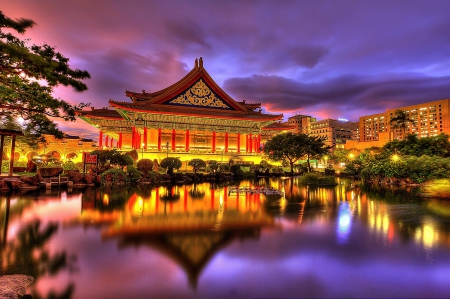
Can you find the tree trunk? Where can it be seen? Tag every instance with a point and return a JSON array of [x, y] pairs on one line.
[[309, 164]]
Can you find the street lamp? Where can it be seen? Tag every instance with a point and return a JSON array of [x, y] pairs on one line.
[[325, 158], [142, 150], [167, 146], [222, 148]]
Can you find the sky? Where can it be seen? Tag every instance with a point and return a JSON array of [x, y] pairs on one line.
[[327, 59]]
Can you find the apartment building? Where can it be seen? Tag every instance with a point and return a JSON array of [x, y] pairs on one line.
[[337, 132], [429, 119], [302, 123]]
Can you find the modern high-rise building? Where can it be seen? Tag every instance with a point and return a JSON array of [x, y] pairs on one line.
[[429, 119], [337, 132], [302, 123]]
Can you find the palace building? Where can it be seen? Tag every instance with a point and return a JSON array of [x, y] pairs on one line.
[[192, 118]]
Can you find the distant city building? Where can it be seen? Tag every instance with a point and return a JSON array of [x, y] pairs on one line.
[[429, 119], [302, 123], [337, 132]]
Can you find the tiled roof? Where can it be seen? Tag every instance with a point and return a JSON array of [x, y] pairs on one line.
[[102, 113], [156, 102]]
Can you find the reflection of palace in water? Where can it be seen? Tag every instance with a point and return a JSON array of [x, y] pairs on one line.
[[192, 223], [188, 223]]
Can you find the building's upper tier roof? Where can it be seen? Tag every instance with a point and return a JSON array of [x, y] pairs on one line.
[[196, 94]]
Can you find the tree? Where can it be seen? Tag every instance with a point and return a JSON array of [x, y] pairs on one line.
[[315, 147], [113, 158], [170, 163], [28, 75], [197, 164], [401, 121], [145, 165], [286, 147], [292, 147]]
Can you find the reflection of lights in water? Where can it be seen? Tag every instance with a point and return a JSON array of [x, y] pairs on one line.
[[219, 214], [105, 199], [138, 207], [344, 222], [283, 204], [427, 235]]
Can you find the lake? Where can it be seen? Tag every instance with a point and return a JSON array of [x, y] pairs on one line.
[[206, 241]]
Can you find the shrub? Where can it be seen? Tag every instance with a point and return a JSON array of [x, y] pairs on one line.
[[248, 174], [224, 168], [317, 179], [197, 164], [69, 165], [213, 167], [234, 169], [133, 175], [115, 176], [145, 165]]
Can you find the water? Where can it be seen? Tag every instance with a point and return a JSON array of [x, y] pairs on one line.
[[199, 241]]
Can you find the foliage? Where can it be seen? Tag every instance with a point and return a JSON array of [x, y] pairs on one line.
[[69, 165], [248, 174], [133, 154], [80, 166], [224, 168], [414, 146], [213, 166], [27, 79], [197, 164], [401, 121], [117, 176], [133, 175], [28, 139], [145, 165], [409, 169], [5, 165], [236, 169], [112, 158], [170, 163], [292, 147], [338, 156]]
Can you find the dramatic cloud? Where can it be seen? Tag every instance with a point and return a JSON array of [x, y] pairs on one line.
[[341, 96], [326, 59]]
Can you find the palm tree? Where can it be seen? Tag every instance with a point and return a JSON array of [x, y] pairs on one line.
[[401, 121]]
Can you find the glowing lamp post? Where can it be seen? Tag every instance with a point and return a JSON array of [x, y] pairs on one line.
[[167, 147]]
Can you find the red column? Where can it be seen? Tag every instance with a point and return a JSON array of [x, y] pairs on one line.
[[159, 139], [250, 143], [111, 142], [187, 140], [226, 142], [145, 137], [246, 143], [100, 140], [238, 142], [213, 147], [258, 149], [120, 140], [173, 139], [133, 137], [106, 140]]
